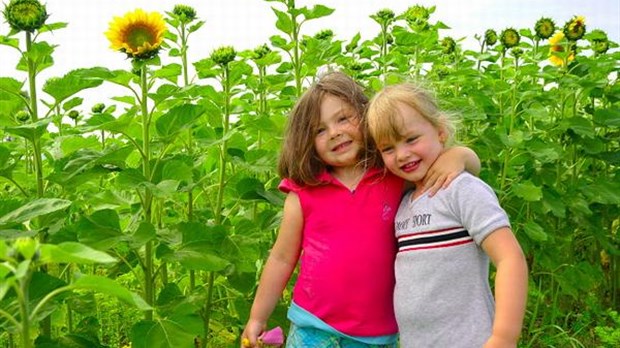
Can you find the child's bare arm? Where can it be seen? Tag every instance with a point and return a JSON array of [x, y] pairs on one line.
[[449, 165], [278, 269], [510, 287]]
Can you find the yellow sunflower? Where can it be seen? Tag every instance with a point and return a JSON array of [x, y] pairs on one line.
[[139, 34], [556, 46]]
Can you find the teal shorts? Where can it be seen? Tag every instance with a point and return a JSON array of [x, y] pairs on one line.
[[304, 337]]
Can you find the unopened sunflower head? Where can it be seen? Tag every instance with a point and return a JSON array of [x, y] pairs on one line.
[[510, 38], [138, 34], [575, 29], [490, 37], [544, 28], [185, 14], [25, 15], [556, 45], [260, 52], [417, 16], [98, 108], [448, 45], [22, 116], [224, 55], [599, 41], [324, 35], [384, 17]]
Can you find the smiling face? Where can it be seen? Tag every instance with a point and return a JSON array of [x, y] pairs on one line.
[[418, 145], [338, 139]]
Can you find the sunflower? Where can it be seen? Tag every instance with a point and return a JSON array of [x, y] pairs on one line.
[[599, 41], [510, 38], [556, 46], [575, 28], [138, 34], [490, 37], [544, 28], [448, 45], [26, 15]]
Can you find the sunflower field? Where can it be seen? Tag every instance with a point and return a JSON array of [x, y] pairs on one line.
[[144, 219]]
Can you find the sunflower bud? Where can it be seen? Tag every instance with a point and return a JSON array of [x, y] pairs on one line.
[[417, 16], [516, 52], [25, 15], [224, 55], [599, 41], [448, 45], [355, 66], [98, 108], [185, 14], [26, 248], [325, 34], [73, 114], [575, 28], [22, 116], [509, 38], [260, 52], [490, 37], [384, 17], [544, 28]]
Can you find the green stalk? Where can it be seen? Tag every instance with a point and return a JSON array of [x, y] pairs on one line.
[[220, 196], [148, 196], [190, 150], [384, 49], [32, 84], [24, 310], [507, 152], [296, 55]]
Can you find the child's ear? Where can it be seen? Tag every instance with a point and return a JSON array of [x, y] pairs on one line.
[[443, 134]]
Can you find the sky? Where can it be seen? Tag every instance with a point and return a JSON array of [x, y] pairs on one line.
[[246, 24]]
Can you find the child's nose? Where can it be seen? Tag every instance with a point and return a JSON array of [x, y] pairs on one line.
[[334, 132], [401, 153]]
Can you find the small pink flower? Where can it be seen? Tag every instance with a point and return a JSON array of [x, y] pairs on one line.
[[273, 337]]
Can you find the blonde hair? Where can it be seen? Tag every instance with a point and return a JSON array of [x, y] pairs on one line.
[[384, 121], [299, 160]]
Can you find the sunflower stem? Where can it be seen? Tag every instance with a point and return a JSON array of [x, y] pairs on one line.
[[148, 196]]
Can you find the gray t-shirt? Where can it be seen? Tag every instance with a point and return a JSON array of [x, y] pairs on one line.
[[442, 296]]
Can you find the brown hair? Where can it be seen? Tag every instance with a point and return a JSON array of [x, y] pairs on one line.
[[299, 160], [383, 118]]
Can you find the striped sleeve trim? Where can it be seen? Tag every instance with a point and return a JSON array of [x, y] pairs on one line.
[[434, 239]]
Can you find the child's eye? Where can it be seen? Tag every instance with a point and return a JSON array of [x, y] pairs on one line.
[[386, 150], [320, 131], [343, 119], [411, 139]]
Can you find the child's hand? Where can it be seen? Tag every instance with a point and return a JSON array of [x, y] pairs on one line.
[[249, 337], [452, 162], [499, 342], [270, 338]]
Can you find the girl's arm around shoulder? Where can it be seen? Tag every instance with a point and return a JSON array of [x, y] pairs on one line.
[[510, 287], [449, 165], [278, 269]]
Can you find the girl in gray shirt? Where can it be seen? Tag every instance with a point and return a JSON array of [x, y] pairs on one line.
[[442, 296]]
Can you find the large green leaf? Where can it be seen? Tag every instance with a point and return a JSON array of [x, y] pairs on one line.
[[528, 191], [33, 209], [73, 82], [30, 131], [110, 287], [161, 334], [72, 252], [196, 256], [101, 230], [178, 118], [535, 231]]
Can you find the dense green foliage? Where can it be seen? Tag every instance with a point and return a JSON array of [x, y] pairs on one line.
[[146, 218]]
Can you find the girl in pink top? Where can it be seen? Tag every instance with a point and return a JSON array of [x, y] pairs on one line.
[[338, 224]]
